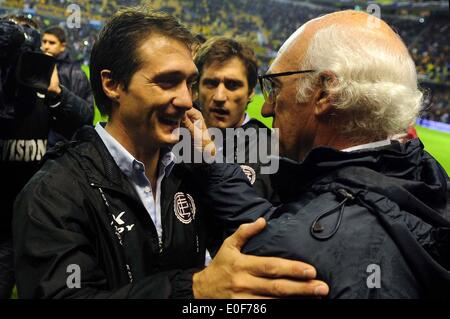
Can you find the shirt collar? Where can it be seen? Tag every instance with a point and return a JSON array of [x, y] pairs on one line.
[[246, 119], [368, 145], [125, 161], [168, 159]]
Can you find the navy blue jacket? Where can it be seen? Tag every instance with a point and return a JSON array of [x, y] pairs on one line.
[[77, 102], [375, 223]]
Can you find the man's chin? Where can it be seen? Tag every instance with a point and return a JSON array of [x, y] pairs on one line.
[[218, 124], [170, 141], [167, 139]]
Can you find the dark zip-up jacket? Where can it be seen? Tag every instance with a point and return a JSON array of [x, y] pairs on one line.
[[77, 102], [248, 138], [73, 78], [375, 223], [252, 168], [81, 211]]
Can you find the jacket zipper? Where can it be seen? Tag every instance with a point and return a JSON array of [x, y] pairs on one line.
[[160, 241], [128, 269]]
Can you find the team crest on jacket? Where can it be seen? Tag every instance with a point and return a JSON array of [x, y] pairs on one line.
[[249, 172], [184, 207]]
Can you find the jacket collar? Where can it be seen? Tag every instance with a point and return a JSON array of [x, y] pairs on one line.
[[126, 162], [95, 159], [406, 166], [100, 167], [63, 56]]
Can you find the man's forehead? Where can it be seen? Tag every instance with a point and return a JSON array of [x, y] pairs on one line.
[[49, 36], [231, 67], [164, 54]]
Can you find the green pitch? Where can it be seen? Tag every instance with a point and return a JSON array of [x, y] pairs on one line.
[[437, 144]]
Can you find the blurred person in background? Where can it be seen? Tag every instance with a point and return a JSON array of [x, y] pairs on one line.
[[67, 80]]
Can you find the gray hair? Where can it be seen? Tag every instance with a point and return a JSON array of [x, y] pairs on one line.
[[376, 84]]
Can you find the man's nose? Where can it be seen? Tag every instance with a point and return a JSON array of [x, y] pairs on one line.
[[183, 98], [267, 109], [220, 94]]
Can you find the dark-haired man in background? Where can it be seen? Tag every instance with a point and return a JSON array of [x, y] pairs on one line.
[[228, 73], [68, 83]]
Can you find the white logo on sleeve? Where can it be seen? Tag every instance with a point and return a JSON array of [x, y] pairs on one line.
[[184, 207], [249, 172]]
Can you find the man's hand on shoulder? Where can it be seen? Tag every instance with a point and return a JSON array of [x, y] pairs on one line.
[[232, 274]]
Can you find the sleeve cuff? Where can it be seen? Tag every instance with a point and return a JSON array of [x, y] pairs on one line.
[[182, 285]]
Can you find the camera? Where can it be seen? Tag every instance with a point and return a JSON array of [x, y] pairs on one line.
[[24, 70], [17, 38]]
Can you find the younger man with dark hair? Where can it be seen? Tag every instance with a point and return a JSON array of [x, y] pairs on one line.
[[113, 205], [228, 72]]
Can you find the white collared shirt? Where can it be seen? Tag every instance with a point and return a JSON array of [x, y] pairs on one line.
[[135, 171]]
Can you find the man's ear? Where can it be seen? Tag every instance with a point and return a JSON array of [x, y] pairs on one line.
[[110, 86], [324, 99]]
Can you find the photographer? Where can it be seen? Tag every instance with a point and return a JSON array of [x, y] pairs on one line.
[[28, 112]]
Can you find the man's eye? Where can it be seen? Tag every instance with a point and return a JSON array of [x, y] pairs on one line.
[[210, 83], [233, 85], [167, 84]]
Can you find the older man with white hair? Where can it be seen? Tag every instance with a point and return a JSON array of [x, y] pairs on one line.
[[368, 211]]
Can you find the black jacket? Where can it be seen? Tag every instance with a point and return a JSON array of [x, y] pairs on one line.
[[253, 130], [71, 213], [23, 132], [364, 219], [73, 78]]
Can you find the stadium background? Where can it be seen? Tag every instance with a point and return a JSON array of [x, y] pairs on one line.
[[265, 24]]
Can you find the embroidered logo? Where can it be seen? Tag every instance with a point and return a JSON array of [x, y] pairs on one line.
[[119, 225], [249, 172], [184, 207]]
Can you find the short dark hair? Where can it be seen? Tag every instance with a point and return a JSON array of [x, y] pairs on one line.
[[57, 32], [222, 49], [118, 42]]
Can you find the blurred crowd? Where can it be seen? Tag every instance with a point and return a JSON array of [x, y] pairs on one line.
[[264, 24], [436, 105]]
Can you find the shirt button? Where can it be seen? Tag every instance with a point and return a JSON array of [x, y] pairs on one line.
[[147, 189], [136, 166]]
